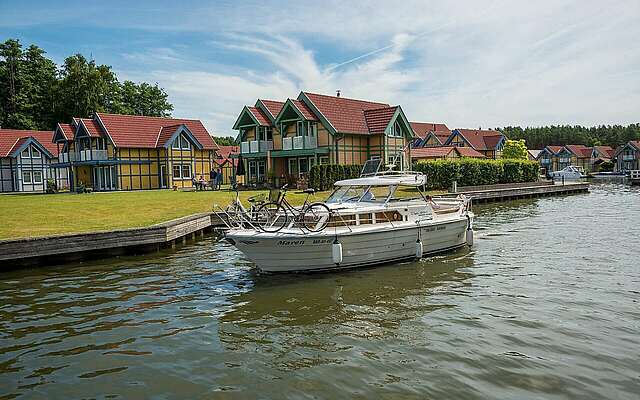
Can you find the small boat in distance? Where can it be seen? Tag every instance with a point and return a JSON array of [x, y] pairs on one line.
[[374, 219], [572, 172]]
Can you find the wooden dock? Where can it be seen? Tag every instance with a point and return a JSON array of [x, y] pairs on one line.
[[60, 249], [510, 191]]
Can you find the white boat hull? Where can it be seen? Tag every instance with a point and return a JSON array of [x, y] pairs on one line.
[[289, 252]]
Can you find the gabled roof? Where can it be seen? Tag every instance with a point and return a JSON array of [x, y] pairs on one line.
[[260, 116], [635, 144], [444, 151], [580, 150], [67, 130], [422, 129], [92, 127], [480, 139], [12, 139], [144, 132], [377, 120], [224, 155], [554, 149], [273, 107], [606, 151], [534, 153], [342, 114]]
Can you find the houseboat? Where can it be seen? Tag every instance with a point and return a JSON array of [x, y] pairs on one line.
[[366, 223]]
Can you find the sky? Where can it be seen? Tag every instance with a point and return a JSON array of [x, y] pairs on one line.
[[468, 64]]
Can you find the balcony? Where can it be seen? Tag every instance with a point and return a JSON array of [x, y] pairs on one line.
[[256, 146], [299, 142], [545, 161], [565, 160], [628, 157], [92, 155]]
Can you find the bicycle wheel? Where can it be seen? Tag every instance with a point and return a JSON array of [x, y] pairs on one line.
[[271, 217], [316, 217]]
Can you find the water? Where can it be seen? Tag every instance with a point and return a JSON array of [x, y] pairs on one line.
[[544, 306]]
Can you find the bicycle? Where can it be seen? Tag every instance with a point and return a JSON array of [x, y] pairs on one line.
[[240, 214], [274, 215]]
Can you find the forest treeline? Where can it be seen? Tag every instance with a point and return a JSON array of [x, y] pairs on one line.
[[560, 135], [35, 93]]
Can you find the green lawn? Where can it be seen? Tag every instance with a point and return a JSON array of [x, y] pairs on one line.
[[32, 215], [23, 215]]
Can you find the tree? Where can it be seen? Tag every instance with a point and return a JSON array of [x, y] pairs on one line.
[[36, 94], [225, 141], [515, 149]]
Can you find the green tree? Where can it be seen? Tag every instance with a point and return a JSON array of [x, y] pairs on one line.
[[515, 149], [225, 141], [144, 99]]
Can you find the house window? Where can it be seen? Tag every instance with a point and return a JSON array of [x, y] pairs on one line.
[[313, 129], [252, 169], [293, 166], [324, 160], [265, 133], [300, 128], [396, 130], [181, 143], [35, 153], [181, 171], [186, 171], [25, 153], [261, 169], [26, 177], [303, 165], [37, 176]]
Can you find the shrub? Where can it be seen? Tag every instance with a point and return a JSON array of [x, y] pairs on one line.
[[440, 174], [322, 177]]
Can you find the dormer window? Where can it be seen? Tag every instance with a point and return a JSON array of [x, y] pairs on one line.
[[265, 133], [181, 143]]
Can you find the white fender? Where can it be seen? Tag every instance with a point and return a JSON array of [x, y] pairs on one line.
[[419, 248], [469, 237], [336, 252]]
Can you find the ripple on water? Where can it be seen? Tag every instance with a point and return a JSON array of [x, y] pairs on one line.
[[545, 305]]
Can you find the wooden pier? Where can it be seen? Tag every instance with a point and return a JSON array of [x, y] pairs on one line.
[[60, 249], [510, 191]]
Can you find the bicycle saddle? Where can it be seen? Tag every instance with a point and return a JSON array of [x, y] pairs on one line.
[[309, 191]]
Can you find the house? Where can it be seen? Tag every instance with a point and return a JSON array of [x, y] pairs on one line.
[[599, 155], [627, 156], [429, 134], [25, 161], [487, 142], [285, 139], [579, 155], [226, 161], [129, 152], [548, 159], [444, 152]]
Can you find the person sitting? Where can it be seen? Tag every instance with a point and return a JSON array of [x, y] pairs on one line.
[[195, 183], [203, 183]]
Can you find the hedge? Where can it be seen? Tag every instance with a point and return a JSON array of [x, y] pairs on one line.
[[323, 176], [471, 172]]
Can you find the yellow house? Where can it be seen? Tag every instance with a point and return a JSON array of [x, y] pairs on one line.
[[283, 140], [130, 152]]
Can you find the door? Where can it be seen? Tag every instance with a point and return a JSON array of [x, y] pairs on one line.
[[163, 177]]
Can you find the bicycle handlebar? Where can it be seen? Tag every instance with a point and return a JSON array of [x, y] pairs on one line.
[[285, 186]]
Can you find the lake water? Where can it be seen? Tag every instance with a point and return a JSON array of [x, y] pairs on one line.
[[546, 305]]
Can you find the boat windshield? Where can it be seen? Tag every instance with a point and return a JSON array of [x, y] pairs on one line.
[[366, 194]]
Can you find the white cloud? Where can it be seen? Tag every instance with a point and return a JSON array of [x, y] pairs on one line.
[[465, 63]]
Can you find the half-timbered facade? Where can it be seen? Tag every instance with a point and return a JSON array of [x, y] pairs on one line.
[[128, 152], [487, 142], [284, 140], [26, 159], [444, 152]]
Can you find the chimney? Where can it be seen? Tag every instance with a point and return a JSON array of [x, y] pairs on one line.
[[338, 93]]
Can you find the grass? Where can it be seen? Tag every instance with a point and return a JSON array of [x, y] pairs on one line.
[[33, 215]]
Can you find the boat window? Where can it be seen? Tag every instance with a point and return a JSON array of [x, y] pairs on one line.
[[366, 194]]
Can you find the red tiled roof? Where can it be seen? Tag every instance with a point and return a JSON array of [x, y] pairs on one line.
[[443, 151], [607, 151], [481, 139], [345, 115], [68, 130], [143, 132], [11, 139], [581, 151], [93, 127], [555, 149], [224, 154], [377, 120], [165, 133], [304, 110], [635, 143], [260, 116], [423, 128], [273, 106]]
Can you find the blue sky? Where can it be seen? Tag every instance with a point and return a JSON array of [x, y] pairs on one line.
[[464, 63]]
